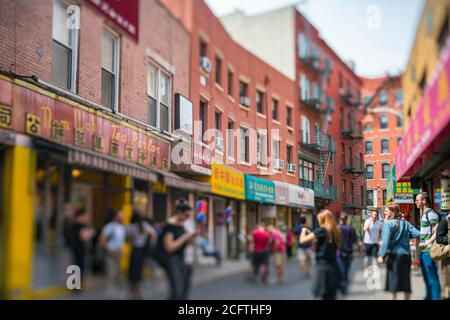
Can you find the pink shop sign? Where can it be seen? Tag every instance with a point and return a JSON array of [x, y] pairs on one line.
[[431, 117]]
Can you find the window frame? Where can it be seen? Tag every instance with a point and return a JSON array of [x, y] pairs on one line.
[[383, 175], [74, 38], [371, 148], [159, 72], [116, 62], [367, 171], [383, 149], [306, 134]]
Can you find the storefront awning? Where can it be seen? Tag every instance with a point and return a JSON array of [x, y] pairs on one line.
[[107, 163], [424, 141], [301, 197], [176, 181]]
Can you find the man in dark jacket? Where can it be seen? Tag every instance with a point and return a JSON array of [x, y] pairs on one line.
[[443, 238], [346, 251]]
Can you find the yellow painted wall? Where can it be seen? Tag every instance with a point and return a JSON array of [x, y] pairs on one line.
[[424, 54], [18, 200]]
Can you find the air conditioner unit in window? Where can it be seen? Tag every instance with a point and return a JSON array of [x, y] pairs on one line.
[[278, 164], [245, 101], [219, 143], [291, 167], [205, 64]]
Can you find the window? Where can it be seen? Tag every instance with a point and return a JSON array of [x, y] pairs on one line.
[[399, 141], [399, 97], [383, 98], [261, 150], [343, 153], [203, 48], [341, 81], [260, 101], [344, 191], [274, 109], [306, 132], [399, 121], [306, 170], [65, 47], [244, 145], [385, 170], [203, 118], [384, 197], [384, 146], [369, 148], [369, 171], [159, 94], [230, 139], [243, 94], [304, 87], [110, 70], [303, 48], [383, 121], [289, 116], [370, 198], [352, 193], [218, 74], [289, 154], [368, 127], [275, 149], [230, 82], [218, 120]]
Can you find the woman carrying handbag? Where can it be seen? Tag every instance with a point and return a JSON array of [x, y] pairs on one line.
[[395, 251]]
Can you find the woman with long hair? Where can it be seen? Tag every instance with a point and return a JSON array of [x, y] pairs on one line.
[[395, 251], [328, 238], [139, 234]]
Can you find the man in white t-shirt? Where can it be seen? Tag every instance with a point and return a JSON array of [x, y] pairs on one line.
[[112, 239], [372, 237]]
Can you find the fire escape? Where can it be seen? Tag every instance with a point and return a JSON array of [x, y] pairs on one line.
[[353, 167], [319, 151]]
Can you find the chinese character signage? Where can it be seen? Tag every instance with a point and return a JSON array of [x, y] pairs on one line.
[[431, 117], [259, 190], [227, 182], [40, 115], [123, 13], [399, 192]]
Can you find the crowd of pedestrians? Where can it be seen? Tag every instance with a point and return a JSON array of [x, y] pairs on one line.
[[325, 252]]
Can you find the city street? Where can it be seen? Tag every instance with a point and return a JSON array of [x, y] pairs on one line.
[[233, 287]]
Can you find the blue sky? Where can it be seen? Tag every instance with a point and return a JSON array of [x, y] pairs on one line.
[[376, 34]]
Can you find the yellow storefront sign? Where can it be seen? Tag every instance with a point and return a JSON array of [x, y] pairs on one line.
[[227, 182]]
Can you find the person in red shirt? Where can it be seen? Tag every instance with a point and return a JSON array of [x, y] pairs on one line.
[[259, 246], [289, 242]]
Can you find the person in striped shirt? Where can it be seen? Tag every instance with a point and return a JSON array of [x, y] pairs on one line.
[[428, 223]]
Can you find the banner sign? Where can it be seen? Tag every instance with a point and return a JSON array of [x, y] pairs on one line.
[[259, 190], [227, 182], [431, 117], [30, 110], [123, 13]]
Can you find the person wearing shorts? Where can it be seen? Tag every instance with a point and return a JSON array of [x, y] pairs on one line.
[[279, 251], [372, 237], [259, 246]]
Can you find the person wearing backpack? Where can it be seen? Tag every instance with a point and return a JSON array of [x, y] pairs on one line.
[[443, 239], [429, 221], [395, 251]]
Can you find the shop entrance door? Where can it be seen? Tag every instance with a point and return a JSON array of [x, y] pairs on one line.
[[159, 207]]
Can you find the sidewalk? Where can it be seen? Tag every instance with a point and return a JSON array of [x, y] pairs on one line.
[[156, 289], [362, 288]]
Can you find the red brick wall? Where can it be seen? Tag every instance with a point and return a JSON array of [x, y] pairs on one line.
[[376, 134], [244, 64], [26, 26]]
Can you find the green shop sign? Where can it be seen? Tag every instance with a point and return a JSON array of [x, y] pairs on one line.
[[259, 190], [400, 192]]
